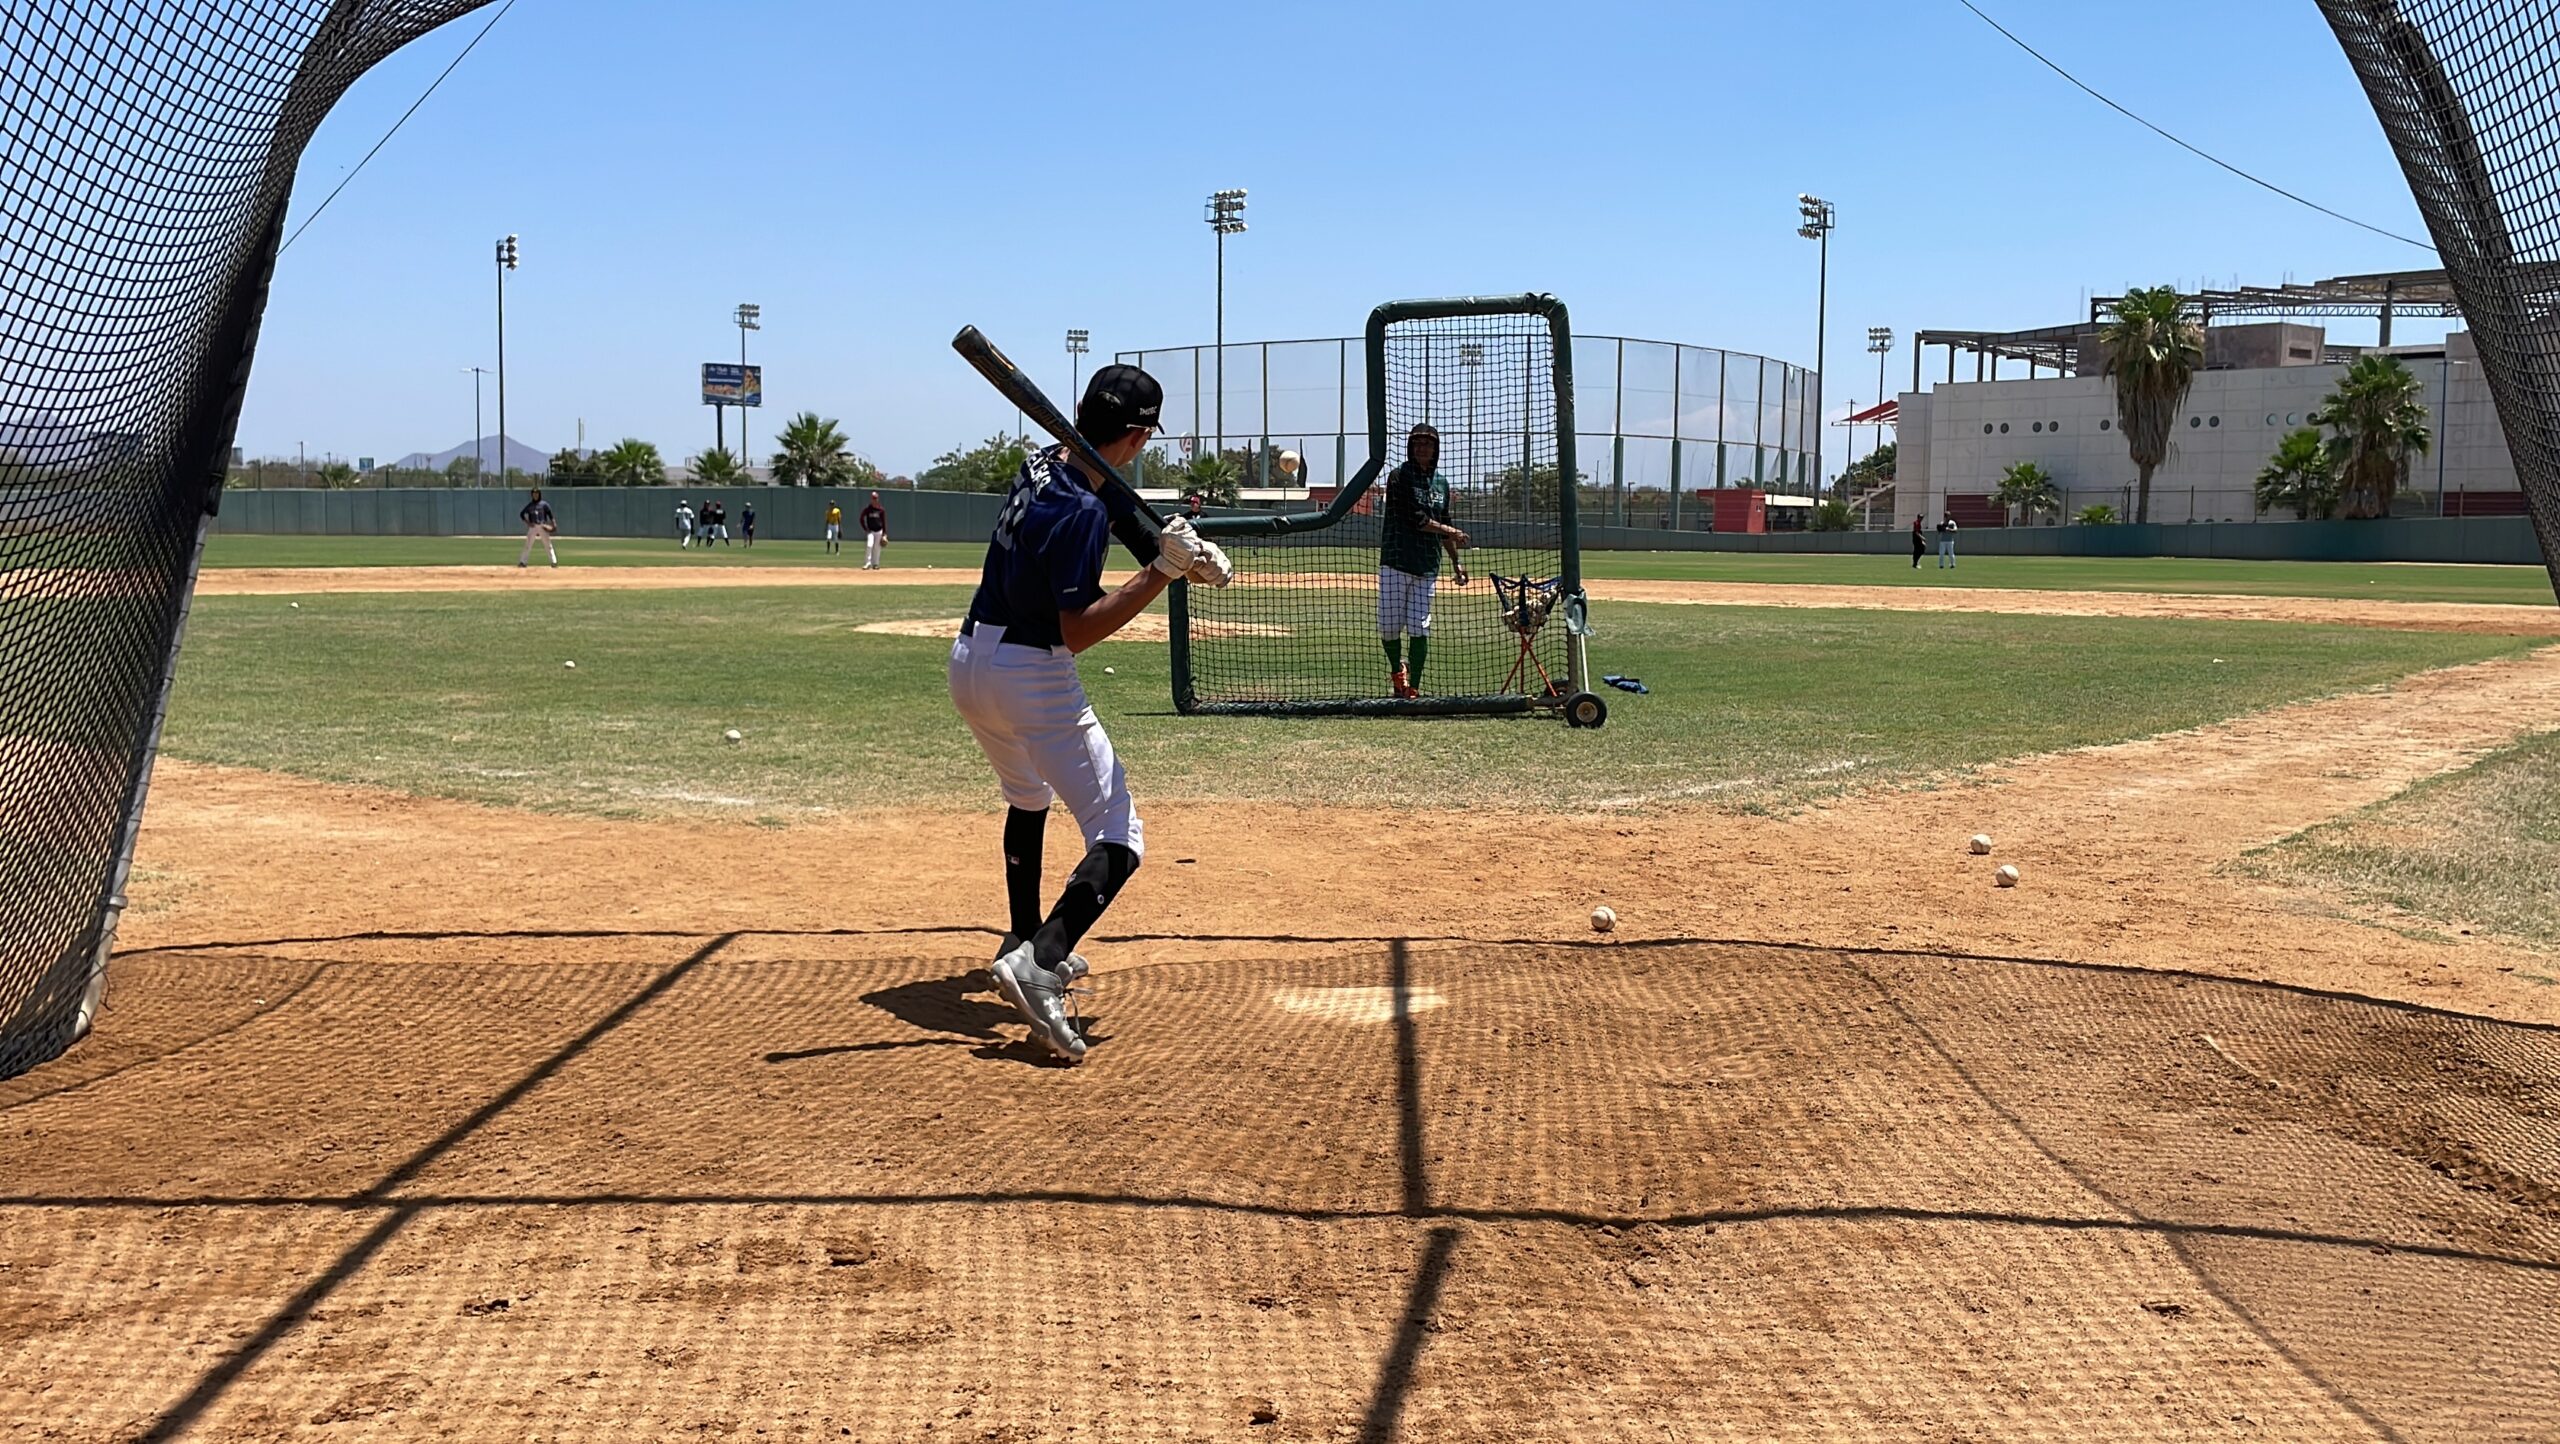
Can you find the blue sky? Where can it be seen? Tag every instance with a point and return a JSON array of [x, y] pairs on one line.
[[874, 176]]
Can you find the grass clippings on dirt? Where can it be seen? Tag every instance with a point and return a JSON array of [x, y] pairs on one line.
[[464, 694], [2477, 849]]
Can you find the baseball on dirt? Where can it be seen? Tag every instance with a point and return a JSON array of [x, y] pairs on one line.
[[1604, 919], [1980, 845], [2007, 876], [734, 735]]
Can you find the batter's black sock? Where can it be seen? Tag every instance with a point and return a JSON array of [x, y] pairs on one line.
[[1413, 674], [1395, 651], [1095, 882], [1023, 834]]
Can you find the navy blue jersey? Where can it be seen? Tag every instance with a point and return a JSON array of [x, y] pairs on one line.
[[1046, 555]]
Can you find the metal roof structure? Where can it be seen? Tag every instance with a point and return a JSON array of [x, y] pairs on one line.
[[2383, 294]]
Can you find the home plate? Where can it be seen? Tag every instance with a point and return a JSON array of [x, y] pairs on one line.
[[1355, 1005]]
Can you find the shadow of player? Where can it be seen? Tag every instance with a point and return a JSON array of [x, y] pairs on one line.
[[965, 1004]]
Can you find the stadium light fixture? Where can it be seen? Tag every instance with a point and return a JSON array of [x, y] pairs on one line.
[[1079, 341], [506, 263], [1879, 342], [1818, 218], [1224, 213], [750, 318]]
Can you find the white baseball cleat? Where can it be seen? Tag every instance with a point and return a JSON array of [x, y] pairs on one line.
[[1039, 995]]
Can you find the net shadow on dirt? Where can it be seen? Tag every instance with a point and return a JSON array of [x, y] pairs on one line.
[[1387, 1186]]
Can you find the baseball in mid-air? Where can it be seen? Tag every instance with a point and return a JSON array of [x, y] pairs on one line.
[[1604, 919], [1289, 463], [734, 735], [2007, 876], [1980, 845]]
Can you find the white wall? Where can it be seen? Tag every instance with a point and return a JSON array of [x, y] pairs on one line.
[[1968, 433]]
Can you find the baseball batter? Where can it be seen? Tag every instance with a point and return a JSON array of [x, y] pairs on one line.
[[539, 526], [1013, 677], [1416, 533], [875, 533]]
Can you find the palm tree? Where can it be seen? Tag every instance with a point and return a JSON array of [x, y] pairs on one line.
[[2026, 489], [811, 452], [630, 462], [2299, 476], [715, 467], [2154, 350], [1219, 480], [2097, 514], [2376, 424]]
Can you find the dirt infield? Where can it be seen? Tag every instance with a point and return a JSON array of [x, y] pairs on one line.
[[2519, 621], [415, 1119]]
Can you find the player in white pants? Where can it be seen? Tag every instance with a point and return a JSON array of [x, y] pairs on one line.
[[1415, 535], [1013, 677], [539, 527], [875, 533]]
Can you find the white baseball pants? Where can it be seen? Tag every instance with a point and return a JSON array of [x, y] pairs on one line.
[[534, 534], [1027, 708], [1404, 603], [871, 541]]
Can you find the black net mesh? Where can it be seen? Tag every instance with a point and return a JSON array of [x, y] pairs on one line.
[[2465, 90], [1302, 626], [146, 153]]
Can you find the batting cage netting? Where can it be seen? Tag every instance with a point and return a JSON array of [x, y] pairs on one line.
[[149, 151], [1327, 605], [2466, 90]]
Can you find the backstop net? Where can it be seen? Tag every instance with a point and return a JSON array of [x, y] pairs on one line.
[[1319, 595], [146, 154], [2466, 90]]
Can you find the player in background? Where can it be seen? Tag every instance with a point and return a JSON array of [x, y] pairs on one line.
[[1416, 533], [747, 523], [539, 526], [875, 533], [1013, 677], [717, 514], [835, 527], [684, 523]]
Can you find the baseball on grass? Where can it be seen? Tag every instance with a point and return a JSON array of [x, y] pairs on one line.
[[1980, 845], [2007, 876], [1604, 919], [734, 735], [572, 666], [1111, 671]]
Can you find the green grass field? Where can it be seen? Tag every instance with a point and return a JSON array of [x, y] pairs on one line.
[[465, 695], [2373, 581], [2479, 848]]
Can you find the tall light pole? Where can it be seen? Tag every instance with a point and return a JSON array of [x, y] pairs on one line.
[[750, 318], [1880, 342], [1818, 221], [479, 453], [506, 263], [1079, 341], [1225, 215]]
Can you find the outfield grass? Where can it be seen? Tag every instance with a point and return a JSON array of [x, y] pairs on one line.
[[465, 695], [2479, 848], [2370, 580]]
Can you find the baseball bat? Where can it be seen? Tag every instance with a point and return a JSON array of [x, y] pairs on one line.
[[1019, 389]]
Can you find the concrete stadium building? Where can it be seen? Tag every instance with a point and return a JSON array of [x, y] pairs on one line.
[[2263, 378]]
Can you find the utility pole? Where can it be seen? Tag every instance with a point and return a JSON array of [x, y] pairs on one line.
[[1818, 221], [506, 263], [479, 451], [1225, 215], [750, 318], [1879, 341]]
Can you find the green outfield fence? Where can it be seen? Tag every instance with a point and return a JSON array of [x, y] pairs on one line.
[[784, 513]]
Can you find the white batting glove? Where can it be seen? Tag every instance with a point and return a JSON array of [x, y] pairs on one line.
[[1177, 547], [1212, 569]]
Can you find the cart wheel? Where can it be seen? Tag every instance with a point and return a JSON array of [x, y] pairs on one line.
[[1584, 709]]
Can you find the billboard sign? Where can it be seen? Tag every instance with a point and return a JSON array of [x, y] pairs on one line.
[[726, 383]]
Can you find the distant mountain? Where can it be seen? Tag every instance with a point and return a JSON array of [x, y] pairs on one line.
[[531, 460]]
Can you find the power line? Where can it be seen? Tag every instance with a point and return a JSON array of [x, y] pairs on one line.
[[395, 127], [2183, 145]]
